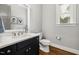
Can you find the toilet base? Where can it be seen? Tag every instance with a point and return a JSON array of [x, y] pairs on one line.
[[44, 48]]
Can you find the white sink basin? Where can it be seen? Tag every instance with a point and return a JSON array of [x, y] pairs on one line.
[[24, 35], [7, 37]]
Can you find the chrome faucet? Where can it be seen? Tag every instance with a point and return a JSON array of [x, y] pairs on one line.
[[26, 28]]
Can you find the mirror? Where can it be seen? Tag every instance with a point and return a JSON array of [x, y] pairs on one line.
[[1, 25], [14, 16], [5, 13]]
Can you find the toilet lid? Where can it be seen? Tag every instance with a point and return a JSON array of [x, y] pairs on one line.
[[45, 40]]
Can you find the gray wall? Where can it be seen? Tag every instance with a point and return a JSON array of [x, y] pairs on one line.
[[69, 34], [5, 11], [21, 12], [35, 18]]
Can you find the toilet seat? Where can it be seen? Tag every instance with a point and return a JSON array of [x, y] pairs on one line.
[[45, 42]]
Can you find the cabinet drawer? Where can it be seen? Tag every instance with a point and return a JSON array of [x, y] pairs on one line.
[[34, 49], [20, 52], [22, 44]]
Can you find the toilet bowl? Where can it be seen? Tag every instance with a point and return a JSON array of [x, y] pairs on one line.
[[44, 45]]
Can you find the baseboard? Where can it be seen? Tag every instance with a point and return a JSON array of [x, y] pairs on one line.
[[55, 51], [74, 51]]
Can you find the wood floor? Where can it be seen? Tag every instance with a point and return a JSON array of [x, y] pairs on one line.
[[55, 51]]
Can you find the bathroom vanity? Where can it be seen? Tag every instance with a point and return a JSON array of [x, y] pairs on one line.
[[14, 21], [28, 44]]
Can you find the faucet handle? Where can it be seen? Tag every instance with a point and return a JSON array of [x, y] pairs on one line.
[[14, 34]]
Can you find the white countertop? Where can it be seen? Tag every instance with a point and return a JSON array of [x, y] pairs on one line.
[[6, 40]]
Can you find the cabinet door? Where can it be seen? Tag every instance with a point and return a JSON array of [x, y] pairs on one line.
[[10, 50], [24, 51], [28, 50], [20, 52], [33, 48]]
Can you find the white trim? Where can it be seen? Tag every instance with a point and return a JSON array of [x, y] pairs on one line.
[[16, 30], [66, 24], [65, 48], [21, 5], [28, 20]]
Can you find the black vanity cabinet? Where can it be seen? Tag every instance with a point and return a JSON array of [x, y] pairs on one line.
[[10, 50], [26, 47]]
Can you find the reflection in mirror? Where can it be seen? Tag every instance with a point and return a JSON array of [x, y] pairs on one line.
[[1, 25], [14, 16], [5, 13], [6, 21]]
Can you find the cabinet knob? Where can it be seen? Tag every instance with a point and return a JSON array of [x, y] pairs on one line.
[[8, 51], [27, 50], [2, 52]]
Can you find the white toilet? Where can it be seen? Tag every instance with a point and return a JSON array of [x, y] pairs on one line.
[[44, 44]]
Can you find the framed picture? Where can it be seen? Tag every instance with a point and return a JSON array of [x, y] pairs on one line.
[[20, 20], [14, 20], [65, 14]]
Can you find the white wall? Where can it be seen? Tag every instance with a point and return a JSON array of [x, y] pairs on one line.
[[69, 34], [35, 18]]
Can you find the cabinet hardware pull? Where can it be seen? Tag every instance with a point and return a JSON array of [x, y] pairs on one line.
[[2, 52], [29, 48]]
